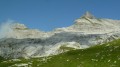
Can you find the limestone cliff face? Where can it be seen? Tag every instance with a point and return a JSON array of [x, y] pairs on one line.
[[20, 41]]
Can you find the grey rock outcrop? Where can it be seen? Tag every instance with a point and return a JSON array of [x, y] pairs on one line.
[[85, 32]]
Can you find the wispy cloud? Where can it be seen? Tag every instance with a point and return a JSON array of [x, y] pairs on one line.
[[5, 28]]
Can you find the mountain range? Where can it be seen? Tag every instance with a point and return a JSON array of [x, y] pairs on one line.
[[16, 40]]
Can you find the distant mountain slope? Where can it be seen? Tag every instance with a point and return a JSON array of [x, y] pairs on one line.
[[105, 55], [16, 40]]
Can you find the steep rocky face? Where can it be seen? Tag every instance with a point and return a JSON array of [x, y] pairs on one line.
[[87, 31], [88, 24]]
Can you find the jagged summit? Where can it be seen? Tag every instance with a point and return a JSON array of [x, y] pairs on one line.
[[18, 26], [88, 15]]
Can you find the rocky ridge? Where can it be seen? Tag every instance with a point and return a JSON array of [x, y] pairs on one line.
[[87, 31]]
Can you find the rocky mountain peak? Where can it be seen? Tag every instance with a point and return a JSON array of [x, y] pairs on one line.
[[18, 41], [88, 15], [18, 26]]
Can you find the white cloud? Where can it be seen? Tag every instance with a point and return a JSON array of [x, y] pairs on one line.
[[5, 29]]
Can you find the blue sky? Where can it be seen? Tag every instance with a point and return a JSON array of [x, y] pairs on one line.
[[49, 14]]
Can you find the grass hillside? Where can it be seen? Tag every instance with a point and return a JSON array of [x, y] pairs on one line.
[[1, 59], [106, 55]]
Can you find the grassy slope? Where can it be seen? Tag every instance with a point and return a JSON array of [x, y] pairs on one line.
[[1, 59], [106, 55]]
